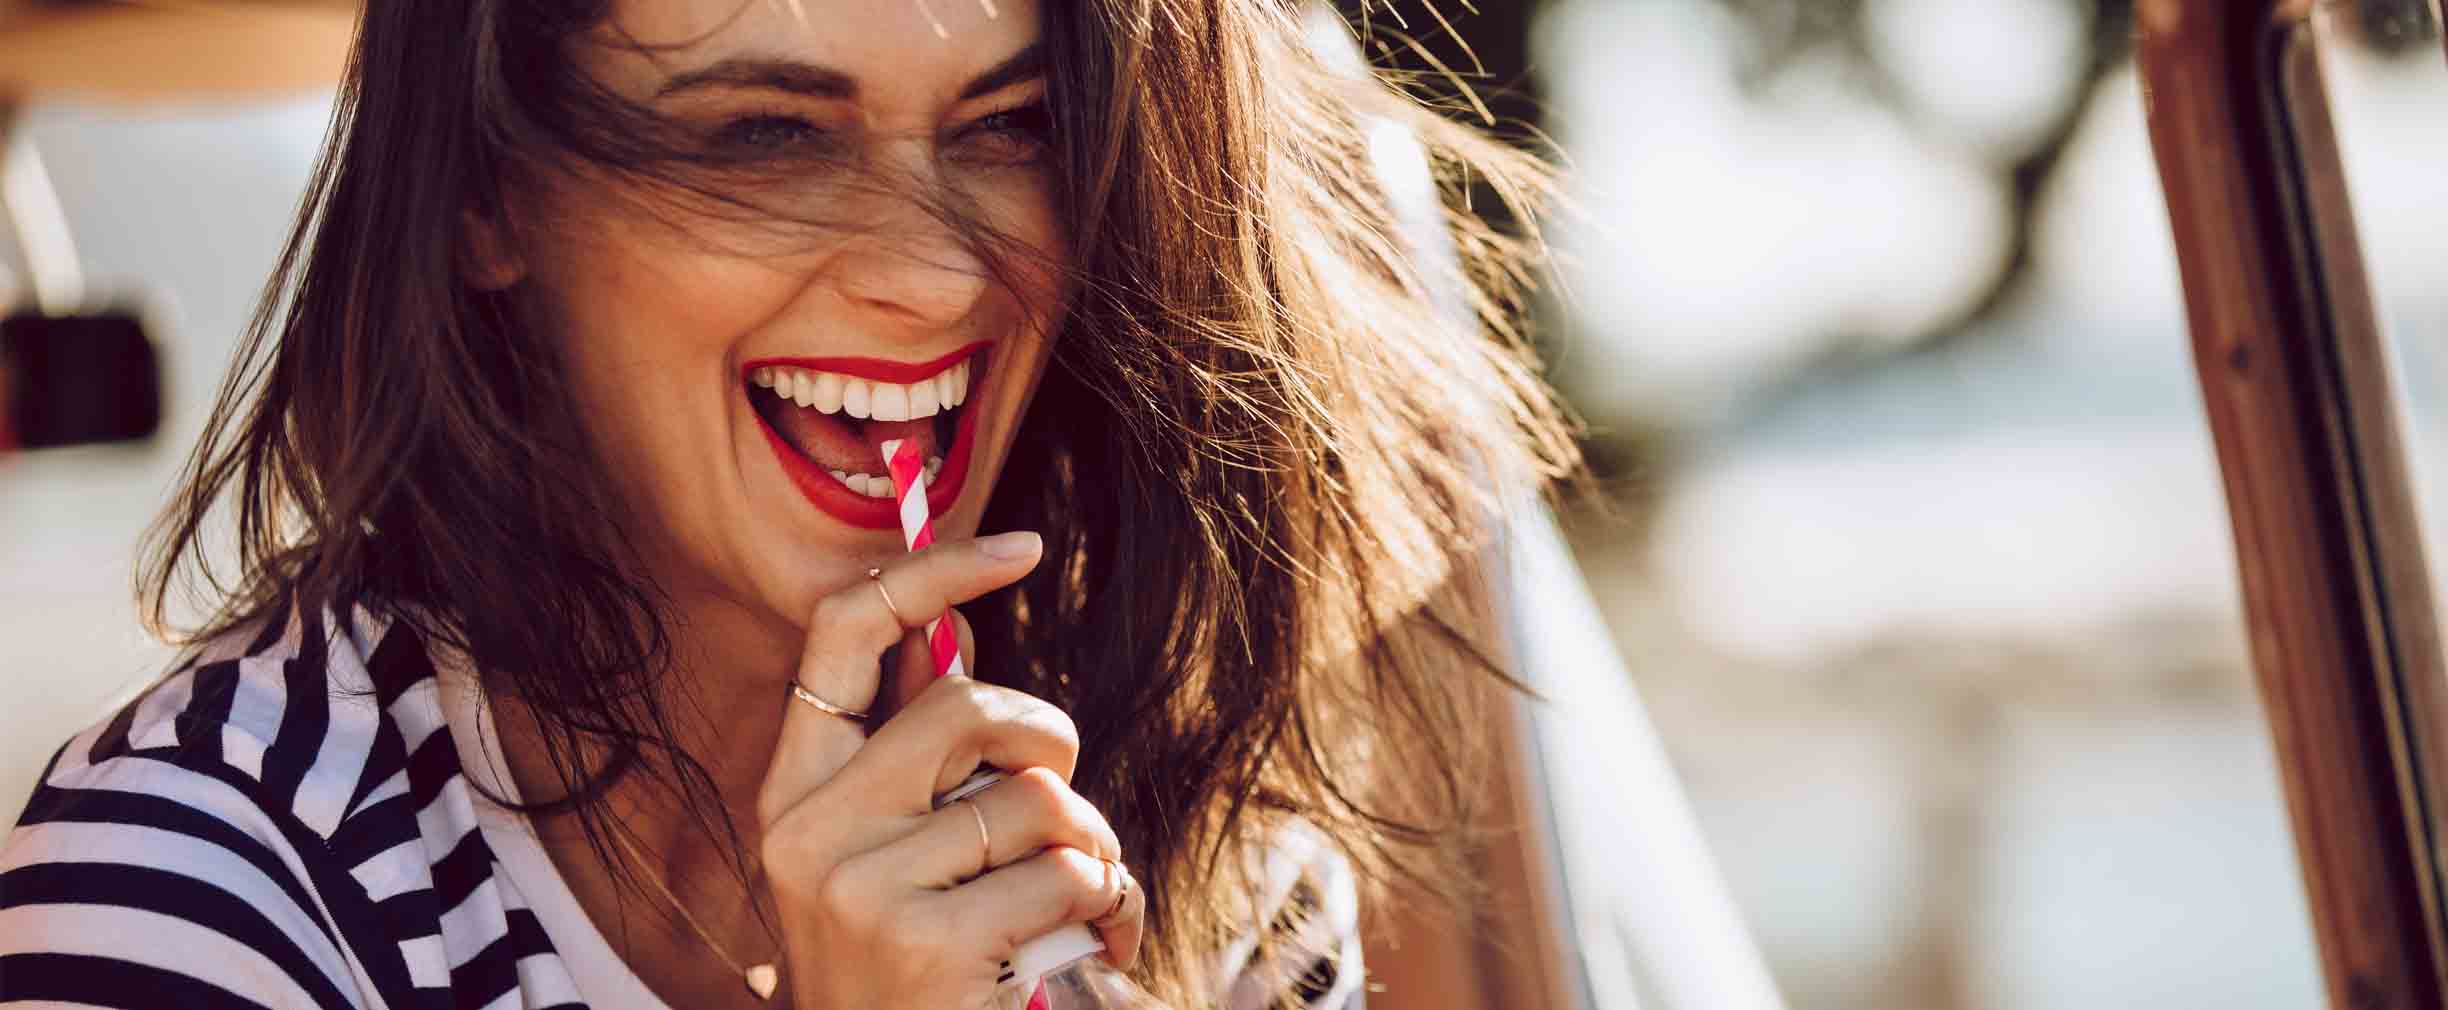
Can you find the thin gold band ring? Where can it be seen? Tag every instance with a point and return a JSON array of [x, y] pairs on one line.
[[985, 842], [1121, 894], [800, 691], [876, 575]]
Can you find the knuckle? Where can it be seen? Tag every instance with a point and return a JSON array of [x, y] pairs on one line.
[[1083, 878], [1047, 730], [831, 613], [964, 699], [1042, 793], [845, 895], [1057, 725], [944, 704]]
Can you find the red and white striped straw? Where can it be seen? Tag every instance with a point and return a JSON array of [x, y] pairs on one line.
[[918, 530]]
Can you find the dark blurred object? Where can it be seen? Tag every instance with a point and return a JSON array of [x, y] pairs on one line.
[[77, 380], [71, 374]]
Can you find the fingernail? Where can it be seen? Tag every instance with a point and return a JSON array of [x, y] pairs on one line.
[[1010, 546]]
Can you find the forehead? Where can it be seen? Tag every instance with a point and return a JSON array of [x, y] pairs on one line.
[[895, 52]]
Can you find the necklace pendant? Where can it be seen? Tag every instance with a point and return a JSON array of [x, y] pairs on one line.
[[762, 979]]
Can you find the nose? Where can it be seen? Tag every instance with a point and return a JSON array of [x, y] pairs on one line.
[[915, 268]]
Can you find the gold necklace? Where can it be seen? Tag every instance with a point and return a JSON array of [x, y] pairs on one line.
[[761, 978]]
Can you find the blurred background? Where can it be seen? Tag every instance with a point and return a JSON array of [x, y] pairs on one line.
[[1911, 536], [1918, 552]]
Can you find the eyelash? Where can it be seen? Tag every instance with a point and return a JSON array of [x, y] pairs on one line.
[[750, 133], [1031, 119]]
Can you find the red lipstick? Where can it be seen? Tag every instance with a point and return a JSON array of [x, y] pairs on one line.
[[899, 373], [830, 495]]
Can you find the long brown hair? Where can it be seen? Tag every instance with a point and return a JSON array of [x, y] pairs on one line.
[[1268, 450]]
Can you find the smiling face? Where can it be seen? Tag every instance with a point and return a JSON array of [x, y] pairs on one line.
[[735, 374]]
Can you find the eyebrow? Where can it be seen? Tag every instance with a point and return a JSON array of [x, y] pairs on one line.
[[802, 78]]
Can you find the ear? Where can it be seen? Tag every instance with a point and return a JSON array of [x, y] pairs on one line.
[[486, 260]]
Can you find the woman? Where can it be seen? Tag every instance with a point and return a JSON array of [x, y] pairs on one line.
[[569, 653]]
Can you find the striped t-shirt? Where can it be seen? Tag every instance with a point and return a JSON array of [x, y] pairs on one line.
[[287, 821]]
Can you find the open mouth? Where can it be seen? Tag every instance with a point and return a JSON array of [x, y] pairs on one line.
[[825, 417]]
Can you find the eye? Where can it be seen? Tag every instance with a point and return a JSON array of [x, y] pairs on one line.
[[763, 133], [1030, 120], [1018, 133]]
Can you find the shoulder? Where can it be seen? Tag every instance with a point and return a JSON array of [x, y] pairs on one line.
[[237, 817], [1301, 947], [285, 721]]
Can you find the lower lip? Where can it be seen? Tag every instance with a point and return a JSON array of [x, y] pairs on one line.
[[837, 500]]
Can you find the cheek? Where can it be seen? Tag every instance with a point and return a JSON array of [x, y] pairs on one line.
[[631, 300], [647, 328]]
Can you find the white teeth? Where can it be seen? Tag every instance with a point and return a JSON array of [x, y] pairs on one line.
[[833, 393], [828, 396], [867, 484], [889, 403]]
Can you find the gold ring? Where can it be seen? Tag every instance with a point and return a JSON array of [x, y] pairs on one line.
[[1121, 894], [800, 691], [876, 575], [985, 843]]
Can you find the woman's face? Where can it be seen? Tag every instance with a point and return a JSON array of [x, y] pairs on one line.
[[738, 386]]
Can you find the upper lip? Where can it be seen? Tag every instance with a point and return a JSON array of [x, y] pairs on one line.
[[873, 369]]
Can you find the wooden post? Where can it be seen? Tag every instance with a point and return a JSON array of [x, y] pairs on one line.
[[2294, 379]]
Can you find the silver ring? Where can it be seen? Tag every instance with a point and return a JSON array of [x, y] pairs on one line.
[[800, 691]]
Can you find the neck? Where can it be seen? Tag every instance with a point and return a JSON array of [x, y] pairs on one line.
[[724, 700]]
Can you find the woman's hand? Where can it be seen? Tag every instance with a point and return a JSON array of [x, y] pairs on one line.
[[885, 901]]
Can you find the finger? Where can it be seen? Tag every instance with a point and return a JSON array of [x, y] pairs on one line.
[[854, 624], [954, 726], [1007, 822], [914, 665], [1123, 930], [850, 629], [1027, 899]]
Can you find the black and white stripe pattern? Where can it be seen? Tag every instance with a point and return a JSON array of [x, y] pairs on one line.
[[284, 823]]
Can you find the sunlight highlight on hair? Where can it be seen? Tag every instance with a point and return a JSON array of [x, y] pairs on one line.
[[797, 9], [932, 21]]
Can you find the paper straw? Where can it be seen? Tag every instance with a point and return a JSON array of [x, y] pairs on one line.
[[918, 530]]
